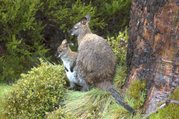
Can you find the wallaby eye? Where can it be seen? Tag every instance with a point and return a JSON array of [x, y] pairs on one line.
[[59, 50]]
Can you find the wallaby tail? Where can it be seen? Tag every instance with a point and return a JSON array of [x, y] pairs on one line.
[[119, 100]]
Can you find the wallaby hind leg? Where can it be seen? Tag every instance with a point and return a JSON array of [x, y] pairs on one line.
[[84, 85]]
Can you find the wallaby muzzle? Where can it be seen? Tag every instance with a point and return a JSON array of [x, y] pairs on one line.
[[71, 32], [56, 54]]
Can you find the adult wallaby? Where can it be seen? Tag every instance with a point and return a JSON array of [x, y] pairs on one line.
[[69, 58], [95, 62]]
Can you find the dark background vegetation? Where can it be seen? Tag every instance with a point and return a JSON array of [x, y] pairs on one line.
[[30, 29]]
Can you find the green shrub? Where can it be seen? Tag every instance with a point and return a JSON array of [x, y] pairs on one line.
[[21, 35], [119, 46], [37, 92]]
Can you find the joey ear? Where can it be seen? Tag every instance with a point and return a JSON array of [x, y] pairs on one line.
[[65, 42]]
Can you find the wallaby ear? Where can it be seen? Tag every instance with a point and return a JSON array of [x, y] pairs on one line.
[[86, 19], [64, 42]]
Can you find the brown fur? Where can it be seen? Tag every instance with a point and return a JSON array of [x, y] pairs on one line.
[[96, 60], [66, 52]]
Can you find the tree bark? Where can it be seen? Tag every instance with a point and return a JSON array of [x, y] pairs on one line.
[[153, 48]]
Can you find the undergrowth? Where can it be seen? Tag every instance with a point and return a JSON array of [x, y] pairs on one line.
[[171, 111], [99, 104], [95, 104], [137, 93]]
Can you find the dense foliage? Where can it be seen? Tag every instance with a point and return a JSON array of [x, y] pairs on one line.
[[20, 35], [114, 13], [33, 28], [39, 91], [119, 46]]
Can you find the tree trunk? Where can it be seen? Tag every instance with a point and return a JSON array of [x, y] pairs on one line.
[[153, 48]]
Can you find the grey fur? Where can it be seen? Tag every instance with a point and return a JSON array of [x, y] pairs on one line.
[[96, 60]]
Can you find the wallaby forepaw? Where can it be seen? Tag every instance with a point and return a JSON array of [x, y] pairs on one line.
[[84, 89]]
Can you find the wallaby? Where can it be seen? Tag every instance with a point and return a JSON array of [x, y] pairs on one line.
[[69, 58], [96, 61]]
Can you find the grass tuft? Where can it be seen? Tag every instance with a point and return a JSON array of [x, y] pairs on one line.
[[93, 104]]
